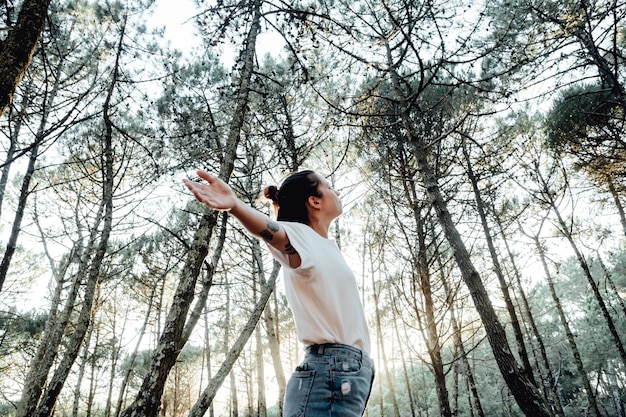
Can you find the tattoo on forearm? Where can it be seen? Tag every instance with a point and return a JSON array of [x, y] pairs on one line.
[[268, 234], [290, 250]]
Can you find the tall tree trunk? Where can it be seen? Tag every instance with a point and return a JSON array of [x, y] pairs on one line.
[[16, 51], [81, 374], [208, 394], [92, 379], [207, 355], [116, 348], [273, 341], [432, 339], [565, 231], [528, 399], [171, 341], [405, 371], [530, 319], [497, 268], [47, 402], [474, 398], [568, 332], [260, 372], [234, 404], [133, 355], [259, 271], [380, 341]]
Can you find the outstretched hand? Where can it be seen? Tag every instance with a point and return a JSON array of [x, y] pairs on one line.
[[215, 193]]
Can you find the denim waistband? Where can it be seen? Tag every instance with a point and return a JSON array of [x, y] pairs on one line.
[[338, 349]]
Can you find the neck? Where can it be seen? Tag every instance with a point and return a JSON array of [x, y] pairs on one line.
[[320, 227]]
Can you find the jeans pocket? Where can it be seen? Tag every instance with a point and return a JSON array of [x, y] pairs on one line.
[[298, 391], [347, 366]]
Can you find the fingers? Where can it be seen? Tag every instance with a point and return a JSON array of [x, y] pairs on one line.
[[205, 192], [206, 176]]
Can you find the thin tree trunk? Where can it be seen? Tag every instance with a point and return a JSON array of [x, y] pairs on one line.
[[81, 374], [568, 332], [258, 271], [133, 356], [234, 404], [260, 372], [474, 398], [565, 231], [208, 394], [434, 347], [381, 345], [146, 403], [116, 348], [47, 402], [92, 378], [405, 372], [207, 355], [273, 340], [618, 203], [497, 268]]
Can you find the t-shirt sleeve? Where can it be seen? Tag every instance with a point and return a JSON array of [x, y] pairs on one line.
[[300, 240]]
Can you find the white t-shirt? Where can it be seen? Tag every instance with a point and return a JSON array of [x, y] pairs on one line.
[[322, 291]]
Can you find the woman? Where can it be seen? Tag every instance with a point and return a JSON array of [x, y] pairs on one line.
[[336, 374]]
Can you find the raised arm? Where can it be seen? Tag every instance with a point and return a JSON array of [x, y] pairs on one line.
[[217, 195]]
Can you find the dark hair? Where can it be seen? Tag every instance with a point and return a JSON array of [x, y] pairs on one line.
[[291, 198]]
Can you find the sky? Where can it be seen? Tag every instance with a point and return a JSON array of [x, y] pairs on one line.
[[177, 18]]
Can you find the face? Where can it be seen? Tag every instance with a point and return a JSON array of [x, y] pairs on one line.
[[330, 198]]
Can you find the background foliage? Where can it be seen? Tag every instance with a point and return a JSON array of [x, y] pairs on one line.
[[119, 295]]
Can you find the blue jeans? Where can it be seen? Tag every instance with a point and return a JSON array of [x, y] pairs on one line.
[[333, 380]]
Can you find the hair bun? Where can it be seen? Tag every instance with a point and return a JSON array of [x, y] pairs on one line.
[[271, 192]]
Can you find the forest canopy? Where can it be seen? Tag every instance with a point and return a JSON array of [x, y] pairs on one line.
[[478, 148]]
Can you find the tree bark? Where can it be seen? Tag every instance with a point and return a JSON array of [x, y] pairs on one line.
[[273, 340], [548, 195], [568, 332], [201, 406], [46, 404], [434, 346], [497, 268], [474, 398], [171, 341], [530, 318], [528, 399], [17, 50]]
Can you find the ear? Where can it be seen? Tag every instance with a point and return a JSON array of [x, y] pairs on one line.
[[314, 202]]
